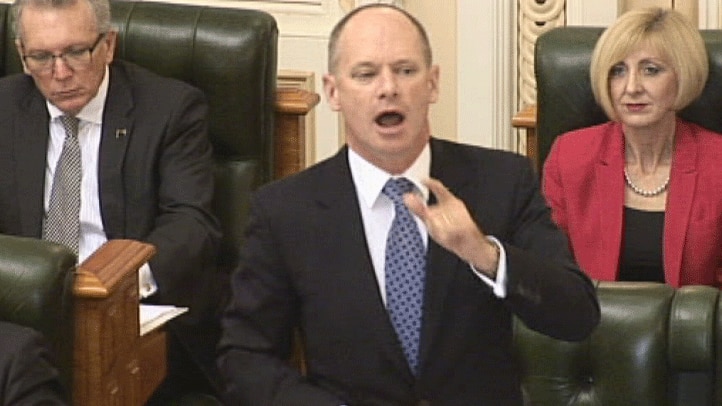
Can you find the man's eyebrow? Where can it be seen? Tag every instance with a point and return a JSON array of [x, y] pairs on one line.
[[401, 62], [364, 64]]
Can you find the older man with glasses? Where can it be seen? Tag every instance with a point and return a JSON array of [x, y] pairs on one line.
[[93, 149]]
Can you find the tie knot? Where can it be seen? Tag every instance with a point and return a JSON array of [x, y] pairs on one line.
[[395, 189], [70, 124]]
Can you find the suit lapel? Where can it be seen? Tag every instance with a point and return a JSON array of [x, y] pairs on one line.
[[337, 203], [115, 137], [683, 181], [610, 195], [32, 145], [441, 264]]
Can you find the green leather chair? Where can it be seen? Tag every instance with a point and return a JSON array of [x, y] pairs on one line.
[[36, 290], [655, 345], [564, 96], [231, 55]]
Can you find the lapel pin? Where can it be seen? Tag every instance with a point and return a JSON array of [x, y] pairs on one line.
[[120, 132]]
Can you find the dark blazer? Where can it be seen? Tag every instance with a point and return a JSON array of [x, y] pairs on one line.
[[306, 266], [155, 177], [584, 184], [27, 373]]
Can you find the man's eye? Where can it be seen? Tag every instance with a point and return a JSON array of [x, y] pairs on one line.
[[363, 75], [74, 53], [407, 71], [40, 57]]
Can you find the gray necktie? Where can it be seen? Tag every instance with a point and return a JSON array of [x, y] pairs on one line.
[[62, 222], [405, 272]]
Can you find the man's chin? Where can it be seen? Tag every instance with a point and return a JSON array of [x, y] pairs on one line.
[[70, 106]]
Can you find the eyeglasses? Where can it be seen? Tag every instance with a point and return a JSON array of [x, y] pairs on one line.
[[74, 58]]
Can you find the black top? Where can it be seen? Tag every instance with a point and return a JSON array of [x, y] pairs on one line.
[[641, 258]]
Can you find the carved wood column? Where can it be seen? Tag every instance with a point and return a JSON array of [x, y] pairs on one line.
[[535, 18]]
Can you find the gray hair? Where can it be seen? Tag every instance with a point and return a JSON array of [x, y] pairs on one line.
[[101, 10]]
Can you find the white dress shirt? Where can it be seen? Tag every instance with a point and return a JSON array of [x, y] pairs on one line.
[[377, 214], [92, 234]]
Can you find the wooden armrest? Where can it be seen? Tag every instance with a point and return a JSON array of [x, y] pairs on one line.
[[526, 118], [292, 106], [108, 368], [103, 271]]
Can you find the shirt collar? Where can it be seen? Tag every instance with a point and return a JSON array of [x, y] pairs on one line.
[[91, 112], [370, 180]]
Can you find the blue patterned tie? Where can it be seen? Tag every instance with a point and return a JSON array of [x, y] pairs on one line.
[[405, 271]]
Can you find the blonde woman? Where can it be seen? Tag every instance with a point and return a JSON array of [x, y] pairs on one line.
[[640, 197]]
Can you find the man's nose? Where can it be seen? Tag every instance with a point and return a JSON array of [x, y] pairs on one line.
[[61, 70], [388, 86]]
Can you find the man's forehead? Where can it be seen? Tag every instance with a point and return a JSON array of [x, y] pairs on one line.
[[389, 36], [376, 17]]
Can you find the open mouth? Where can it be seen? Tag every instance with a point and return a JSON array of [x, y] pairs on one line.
[[389, 119]]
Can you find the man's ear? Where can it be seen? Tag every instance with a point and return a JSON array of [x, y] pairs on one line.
[[330, 88], [19, 48], [433, 83], [110, 40]]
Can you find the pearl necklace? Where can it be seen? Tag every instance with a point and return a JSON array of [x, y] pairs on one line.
[[646, 193]]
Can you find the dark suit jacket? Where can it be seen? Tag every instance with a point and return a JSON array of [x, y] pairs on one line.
[[27, 373], [306, 265], [586, 194], [155, 178]]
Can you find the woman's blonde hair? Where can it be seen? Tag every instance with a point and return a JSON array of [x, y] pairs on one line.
[[663, 30]]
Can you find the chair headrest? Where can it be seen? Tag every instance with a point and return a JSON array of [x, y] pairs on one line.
[[564, 97]]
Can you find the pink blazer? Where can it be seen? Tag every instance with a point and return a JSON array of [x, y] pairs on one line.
[[583, 183]]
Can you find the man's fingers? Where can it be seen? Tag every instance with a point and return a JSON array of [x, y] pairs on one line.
[[416, 205], [438, 189]]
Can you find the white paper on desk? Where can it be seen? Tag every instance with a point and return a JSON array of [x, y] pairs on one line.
[[154, 316]]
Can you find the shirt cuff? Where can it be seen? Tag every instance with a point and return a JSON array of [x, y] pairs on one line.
[[146, 282], [498, 285]]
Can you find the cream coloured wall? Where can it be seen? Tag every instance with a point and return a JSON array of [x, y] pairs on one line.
[[440, 22], [473, 44], [603, 12]]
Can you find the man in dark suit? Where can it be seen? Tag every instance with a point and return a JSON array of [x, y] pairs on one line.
[[146, 161], [27, 373], [317, 259]]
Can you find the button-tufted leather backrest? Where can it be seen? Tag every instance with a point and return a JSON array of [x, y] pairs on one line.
[[564, 97], [655, 345], [230, 54]]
